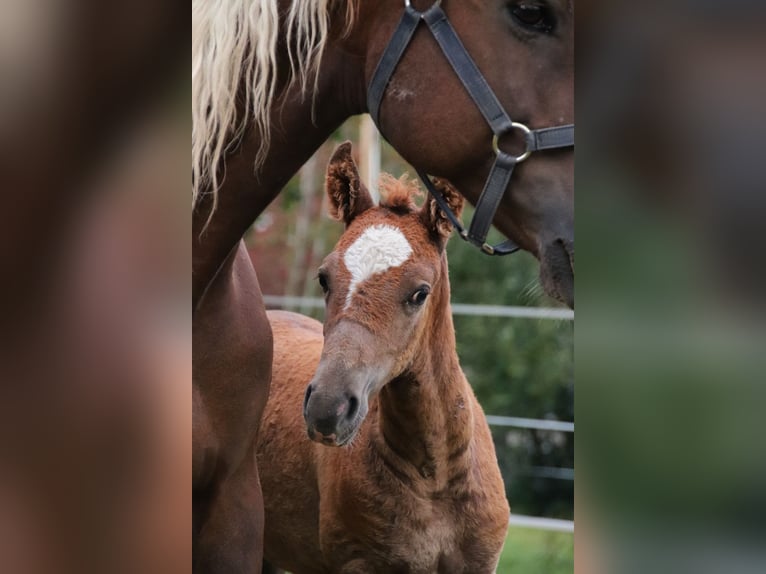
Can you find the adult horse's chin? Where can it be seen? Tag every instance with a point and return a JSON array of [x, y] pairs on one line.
[[557, 270]]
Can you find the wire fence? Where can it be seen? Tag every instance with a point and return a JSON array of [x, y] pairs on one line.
[[288, 301], [551, 524], [536, 424]]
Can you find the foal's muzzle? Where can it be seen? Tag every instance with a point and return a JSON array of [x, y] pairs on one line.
[[331, 419]]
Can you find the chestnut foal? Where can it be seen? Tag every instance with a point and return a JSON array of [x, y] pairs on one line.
[[417, 488]]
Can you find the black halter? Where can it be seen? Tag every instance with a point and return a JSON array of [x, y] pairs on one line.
[[488, 104]]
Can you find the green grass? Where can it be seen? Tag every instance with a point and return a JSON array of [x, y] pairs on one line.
[[529, 551]]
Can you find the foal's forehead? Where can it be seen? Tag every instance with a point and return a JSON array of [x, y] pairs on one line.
[[374, 248]]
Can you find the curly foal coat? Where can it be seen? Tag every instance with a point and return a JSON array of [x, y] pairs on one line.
[[417, 488]]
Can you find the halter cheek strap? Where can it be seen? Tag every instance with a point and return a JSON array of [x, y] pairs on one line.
[[492, 110]]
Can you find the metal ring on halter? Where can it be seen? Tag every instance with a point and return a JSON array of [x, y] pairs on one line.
[[408, 3], [527, 136]]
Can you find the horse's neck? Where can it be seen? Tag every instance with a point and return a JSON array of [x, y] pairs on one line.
[[299, 125], [426, 415]]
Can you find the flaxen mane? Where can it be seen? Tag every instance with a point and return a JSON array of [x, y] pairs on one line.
[[234, 55]]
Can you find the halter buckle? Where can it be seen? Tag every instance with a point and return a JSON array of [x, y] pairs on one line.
[[488, 249], [527, 137]]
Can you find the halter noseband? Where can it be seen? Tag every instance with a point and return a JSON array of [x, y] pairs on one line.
[[488, 104]]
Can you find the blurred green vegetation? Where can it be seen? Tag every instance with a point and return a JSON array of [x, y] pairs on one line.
[[528, 551], [518, 367]]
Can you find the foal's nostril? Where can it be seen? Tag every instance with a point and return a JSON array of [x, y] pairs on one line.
[[309, 390], [353, 407]]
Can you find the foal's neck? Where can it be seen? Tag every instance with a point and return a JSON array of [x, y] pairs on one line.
[[426, 417]]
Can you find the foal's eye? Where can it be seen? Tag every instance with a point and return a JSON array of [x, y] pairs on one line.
[[322, 277], [419, 296], [533, 16]]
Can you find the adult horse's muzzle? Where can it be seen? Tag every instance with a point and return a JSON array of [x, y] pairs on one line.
[[557, 270]]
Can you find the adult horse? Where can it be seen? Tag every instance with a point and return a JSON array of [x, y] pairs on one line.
[[271, 80]]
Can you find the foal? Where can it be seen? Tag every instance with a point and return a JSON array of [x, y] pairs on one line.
[[416, 488]]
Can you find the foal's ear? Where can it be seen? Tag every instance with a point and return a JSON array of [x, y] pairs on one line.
[[348, 195], [434, 217]]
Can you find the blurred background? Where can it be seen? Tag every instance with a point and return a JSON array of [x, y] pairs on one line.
[[671, 332], [95, 329], [514, 343]]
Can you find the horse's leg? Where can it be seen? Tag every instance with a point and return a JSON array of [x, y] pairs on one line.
[[232, 359], [231, 540]]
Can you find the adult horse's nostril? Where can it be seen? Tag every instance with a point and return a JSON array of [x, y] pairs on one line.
[[353, 407], [309, 390]]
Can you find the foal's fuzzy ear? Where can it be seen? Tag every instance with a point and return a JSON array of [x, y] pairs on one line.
[[434, 217], [348, 195]]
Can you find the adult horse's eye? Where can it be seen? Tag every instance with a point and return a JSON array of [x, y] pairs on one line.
[[419, 297], [535, 17], [322, 277]]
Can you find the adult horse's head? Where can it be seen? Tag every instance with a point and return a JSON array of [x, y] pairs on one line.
[[440, 78], [385, 283], [525, 51]]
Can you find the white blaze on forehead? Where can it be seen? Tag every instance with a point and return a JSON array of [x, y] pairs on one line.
[[379, 248]]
